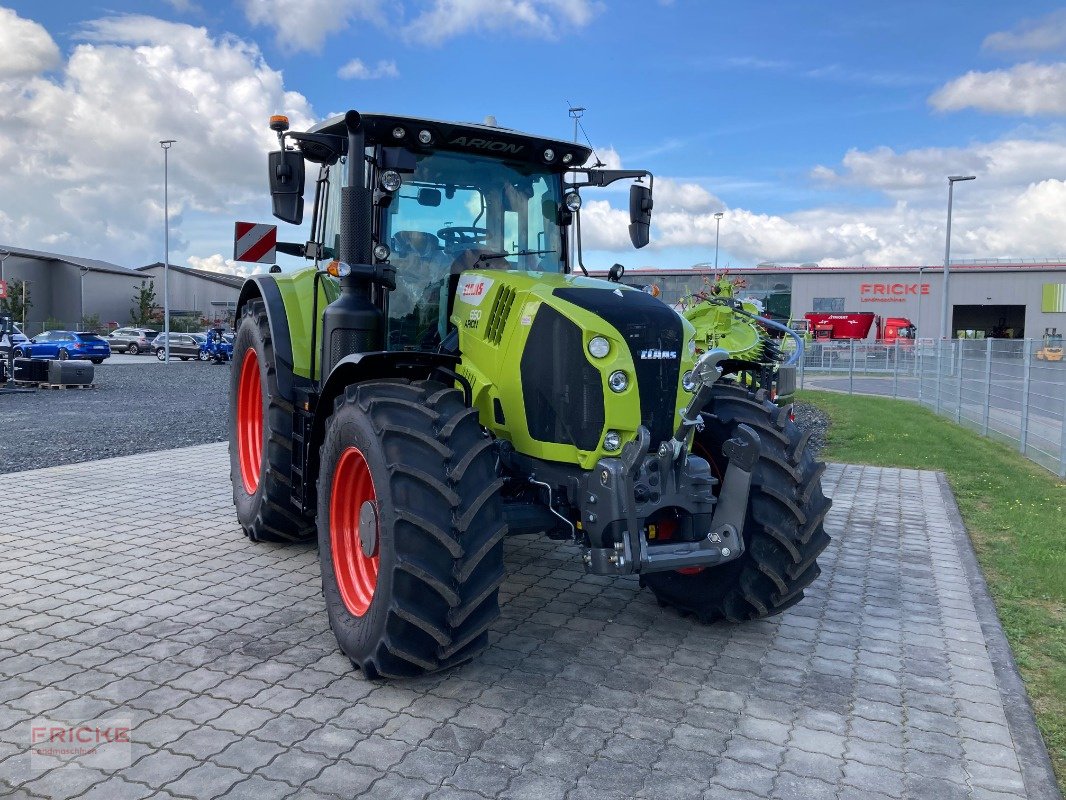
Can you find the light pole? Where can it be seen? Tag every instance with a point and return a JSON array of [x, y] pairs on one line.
[[166, 144], [918, 322], [84, 272], [717, 227], [3, 257], [944, 324]]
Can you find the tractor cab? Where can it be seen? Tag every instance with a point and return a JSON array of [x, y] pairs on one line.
[[438, 198]]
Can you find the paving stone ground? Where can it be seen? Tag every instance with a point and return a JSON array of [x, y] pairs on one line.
[[128, 591]]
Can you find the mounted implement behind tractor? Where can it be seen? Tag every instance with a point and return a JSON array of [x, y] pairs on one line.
[[757, 359], [446, 380]]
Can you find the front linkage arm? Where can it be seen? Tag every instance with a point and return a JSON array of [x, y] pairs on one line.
[[622, 493]]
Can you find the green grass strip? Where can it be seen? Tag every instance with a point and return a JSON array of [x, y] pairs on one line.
[[1015, 513]]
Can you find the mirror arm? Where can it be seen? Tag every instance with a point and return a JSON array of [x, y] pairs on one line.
[[605, 177]]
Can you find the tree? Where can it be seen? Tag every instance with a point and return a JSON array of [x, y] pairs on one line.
[[143, 303], [90, 323], [13, 304]]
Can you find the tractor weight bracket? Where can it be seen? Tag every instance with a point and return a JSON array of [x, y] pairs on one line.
[[730, 512]]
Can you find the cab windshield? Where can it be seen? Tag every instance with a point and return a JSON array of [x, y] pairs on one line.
[[458, 212]]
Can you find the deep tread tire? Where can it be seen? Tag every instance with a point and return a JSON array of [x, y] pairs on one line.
[[784, 532], [267, 515], [440, 527]]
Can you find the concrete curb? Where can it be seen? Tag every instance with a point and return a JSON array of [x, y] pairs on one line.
[[1037, 773]]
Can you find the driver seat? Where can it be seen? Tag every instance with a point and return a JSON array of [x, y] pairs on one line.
[[416, 244]]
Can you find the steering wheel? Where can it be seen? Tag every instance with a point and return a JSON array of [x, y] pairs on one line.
[[463, 236]]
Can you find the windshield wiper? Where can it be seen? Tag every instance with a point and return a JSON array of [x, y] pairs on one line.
[[491, 256]]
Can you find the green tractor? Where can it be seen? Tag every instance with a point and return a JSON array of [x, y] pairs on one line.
[[439, 378]]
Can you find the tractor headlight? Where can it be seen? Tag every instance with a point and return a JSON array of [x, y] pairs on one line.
[[692, 347], [612, 441], [599, 347], [425, 137], [618, 381], [688, 382], [398, 132], [549, 155], [573, 201], [382, 252], [391, 180]]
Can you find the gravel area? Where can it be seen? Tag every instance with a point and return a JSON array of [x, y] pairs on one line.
[[813, 419], [134, 408], [138, 408]]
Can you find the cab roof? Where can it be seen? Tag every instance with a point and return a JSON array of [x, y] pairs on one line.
[[465, 137]]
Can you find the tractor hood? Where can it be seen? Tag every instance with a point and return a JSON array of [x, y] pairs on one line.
[[540, 380]]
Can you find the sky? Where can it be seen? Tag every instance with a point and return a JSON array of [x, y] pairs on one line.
[[823, 131]]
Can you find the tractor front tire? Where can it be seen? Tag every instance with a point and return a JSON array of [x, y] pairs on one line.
[[410, 528], [783, 532], [260, 437]]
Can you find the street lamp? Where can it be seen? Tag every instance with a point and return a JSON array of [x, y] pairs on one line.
[[81, 302], [944, 328], [166, 144], [717, 226], [4, 254]]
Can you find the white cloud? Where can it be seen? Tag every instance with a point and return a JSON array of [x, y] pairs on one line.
[[1016, 208], [305, 24], [1045, 33], [226, 266], [185, 6], [80, 151], [446, 19], [1001, 163], [356, 69], [1028, 89], [25, 47]]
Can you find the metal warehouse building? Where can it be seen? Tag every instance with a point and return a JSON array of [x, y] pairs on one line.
[[68, 288], [1004, 299]]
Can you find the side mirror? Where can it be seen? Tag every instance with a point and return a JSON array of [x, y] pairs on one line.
[[640, 205], [287, 185]]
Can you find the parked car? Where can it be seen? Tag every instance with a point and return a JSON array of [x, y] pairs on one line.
[[65, 344], [132, 340], [182, 345], [17, 338]]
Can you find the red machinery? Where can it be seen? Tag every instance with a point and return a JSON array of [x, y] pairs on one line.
[[856, 325]]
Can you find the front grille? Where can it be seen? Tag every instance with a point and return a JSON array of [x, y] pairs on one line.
[[651, 329], [562, 391], [501, 309]]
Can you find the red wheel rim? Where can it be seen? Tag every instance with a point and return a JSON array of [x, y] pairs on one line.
[[355, 571], [250, 421]]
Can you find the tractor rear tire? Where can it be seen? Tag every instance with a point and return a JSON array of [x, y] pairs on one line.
[[410, 528], [783, 532], [260, 437]]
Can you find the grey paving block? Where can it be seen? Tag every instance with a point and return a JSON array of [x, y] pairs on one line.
[[885, 682], [344, 778], [205, 781]]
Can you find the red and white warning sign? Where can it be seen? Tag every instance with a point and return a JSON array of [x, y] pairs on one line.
[[254, 242], [3, 290]]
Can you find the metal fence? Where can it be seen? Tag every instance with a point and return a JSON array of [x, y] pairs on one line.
[[1006, 389]]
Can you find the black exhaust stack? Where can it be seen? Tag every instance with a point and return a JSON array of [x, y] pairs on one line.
[[352, 323]]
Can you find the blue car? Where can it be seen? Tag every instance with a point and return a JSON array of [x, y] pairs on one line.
[[65, 344]]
